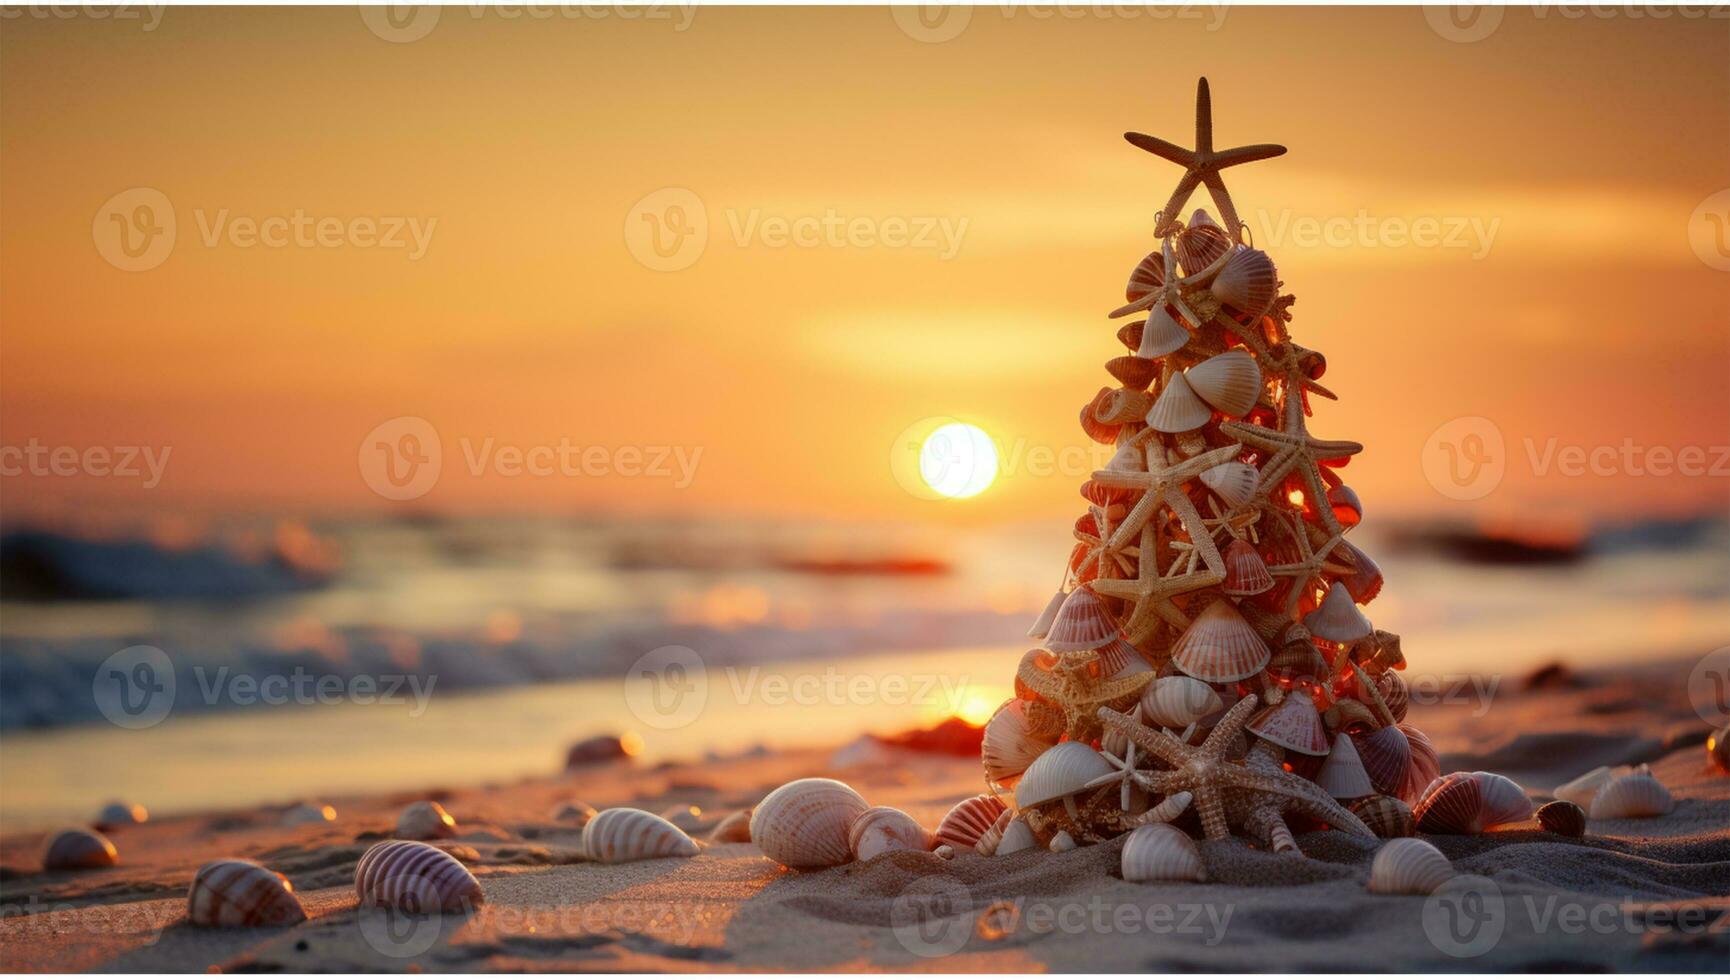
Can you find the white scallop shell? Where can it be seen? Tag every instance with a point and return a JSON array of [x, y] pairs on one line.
[[1409, 866], [623, 834], [1017, 836], [1581, 790], [1248, 282], [1343, 775], [805, 823], [882, 829], [1230, 382], [1220, 646], [1161, 334], [425, 820], [77, 849], [734, 828], [1176, 702], [1006, 748], [1338, 618], [1638, 794], [1234, 482], [1161, 852], [410, 876], [1178, 409], [241, 893], [1062, 770]]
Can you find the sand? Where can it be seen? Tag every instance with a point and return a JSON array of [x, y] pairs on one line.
[[1633, 895]]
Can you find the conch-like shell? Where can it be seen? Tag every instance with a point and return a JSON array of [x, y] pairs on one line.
[[77, 849], [425, 820], [1638, 794], [1248, 282], [1583, 788], [1176, 702], [1082, 624], [1233, 482], [1201, 244], [1562, 817], [986, 846], [1408, 866], [734, 828], [804, 824], [1342, 775], [1387, 816], [1016, 836], [1161, 334], [882, 829], [1134, 373], [969, 820], [1338, 618], [1230, 382], [1042, 625], [574, 812], [1147, 276], [1220, 646], [1178, 408], [1471, 803], [1161, 852], [1294, 724], [1245, 572], [1062, 770], [241, 893], [121, 814], [1008, 746], [410, 876], [624, 834]]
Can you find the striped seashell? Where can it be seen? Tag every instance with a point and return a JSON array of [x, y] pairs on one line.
[[1134, 373], [1342, 775], [1408, 866], [987, 844], [1062, 770], [1338, 618], [1201, 244], [1718, 749], [1016, 836], [301, 814], [1042, 625], [1008, 745], [1096, 430], [1638, 794], [734, 828], [1219, 646], [574, 812], [1470, 803], [1562, 817], [1177, 702], [1178, 408], [623, 834], [1245, 572], [1364, 581], [804, 824], [1248, 283], [967, 821], [1060, 842], [1230, 382], [1348, 510], [1392, 687], [1120, 659], [1082, 624], [1582, 789], [1104, 495], [1161, 334], [882, 829], [425, 820], [1124, 405], [241, 893], [1161, 852], [120, 814], [411, 876], [1425, 767], [1147, 276], [1387, 816], [77, 849], [1386, 755], [1234, 482], [1293, 724]]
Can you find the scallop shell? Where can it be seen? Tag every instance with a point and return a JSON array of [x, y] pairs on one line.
[[967, 821], [1127, 459], [1147, 276], [1387, 816], [804, 824], [1338, 618], [410, 876], [1161, 852], [624, 834], [241, 893], [1342, 775], [574, 812], [1008, 745], [1161, 334], [1562, 817], [1124, 405], [1096, 430], [1294, 724], [1364, 581], [1134, 373], [1082, 624], [1638, 794], [1062, 770], [1471, 803], [1230, 382], [1408, 866], [1176, 702], [1245, 572], [1348, 510], [988, 841], [1425, 767], [1178, 408], [425, 820], [1583, 788], [305, 813], [1016, 836], [1247, 283], [882, 829], [77, 849], [1233, 482], [1220, 646], [1060, 842], [121, 814], [1200, 244], [734, 828], [1392, 687]]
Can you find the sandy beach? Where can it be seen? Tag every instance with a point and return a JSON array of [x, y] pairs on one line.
[[1649, 894]]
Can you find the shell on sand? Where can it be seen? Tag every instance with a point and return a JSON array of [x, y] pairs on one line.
[[1581, 789], [1388, 816], [241, 893], [734, 828], [1230, 382], [1161, 852], [1220, 646], [307, 812], [1470, 803], [968, 821], [1176, 701], [121, 814], [1016, 836], [574, 812], [425, 820], [988, 841], [1409, 866], [805, 823], [1562, 817], [1178, 408], [882, 829], [1343, 775], [1638, 794], [77, 849], [1060, 842], [624, 834], [411, 876], [1293, 724], [1009, 746]]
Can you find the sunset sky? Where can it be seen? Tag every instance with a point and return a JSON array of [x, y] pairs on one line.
[[1561, 160]]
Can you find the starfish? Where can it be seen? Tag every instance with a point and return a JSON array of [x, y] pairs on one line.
[[1079, 695], [1107, 558], [1311, 562], [1126, 771], [1213, 778], [1202, 164], [1292, 447], [1261, 814]]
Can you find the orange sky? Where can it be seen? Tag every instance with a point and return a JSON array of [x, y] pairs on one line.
[[1576, 150]]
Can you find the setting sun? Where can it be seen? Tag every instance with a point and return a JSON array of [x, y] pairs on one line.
[[958, 460]]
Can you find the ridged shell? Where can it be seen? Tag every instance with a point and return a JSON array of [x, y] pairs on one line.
[[1338, 618], [1246, 573], [1425, 767], [1394, 692], [1175, 702], [1096, 430], [1342, 776], [1124, 405], [988, 841], [1471, 803], [574, 812], [1008, 745], [1062, 770], [77, 849], [241, 893], [1161, 334], [1386, 755], [121, 814], [1232, 482], [1638, 794], [1201, 243], [734, 828], [1220, 646], [1583, 788], [1364, 581], [1408, 866], [1042, 625], [1230, 382], [1562, 817], [624, 834], [1134, 373], [882, 829], [1082, 624], [1347, 508], [1386, 816], [301, 814], [1161, 852], [969, 820], [1293, 724], [425, 820], [804, 824], [410, 876], [1178, 408], [1248, 282], [1016, 836], [1060, 842], [1147, 276]]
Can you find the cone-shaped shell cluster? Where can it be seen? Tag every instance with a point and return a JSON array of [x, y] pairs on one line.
[[1220, 646], [1638, 794], [1338, 618], [77, 849], [1178, 408], [1082, 624], [1245, 572], [425, 820], [1294, 724], [1176, 702], [1161, 852], [969, 820], [1230, 382], [1063, 770], [624, 834], [1408, 866], [241, 893], [410, 876], [1470, 803], [882, 829], [805, 823]]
